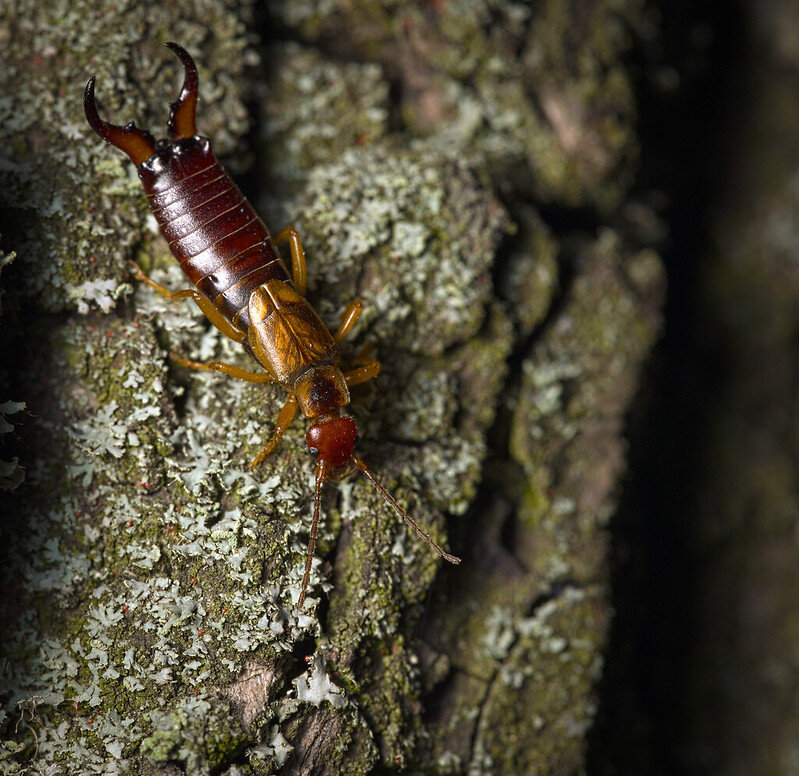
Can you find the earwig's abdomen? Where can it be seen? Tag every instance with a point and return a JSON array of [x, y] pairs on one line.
[[221, 244]]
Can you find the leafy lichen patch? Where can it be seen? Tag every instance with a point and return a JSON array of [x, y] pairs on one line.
[[551, 661], [414, 232], [176, 589], [536, 93], [577, 382], [314, 110]]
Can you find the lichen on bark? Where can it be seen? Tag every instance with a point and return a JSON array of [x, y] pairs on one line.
[[154, 626]]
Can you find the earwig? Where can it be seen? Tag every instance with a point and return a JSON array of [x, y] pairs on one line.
[[244, 289]]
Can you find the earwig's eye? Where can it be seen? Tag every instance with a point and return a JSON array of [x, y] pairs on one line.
[[314, 451]]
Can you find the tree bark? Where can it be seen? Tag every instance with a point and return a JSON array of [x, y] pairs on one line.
[[152, 624]]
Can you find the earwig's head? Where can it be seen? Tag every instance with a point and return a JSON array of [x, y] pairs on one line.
[[332, 441]]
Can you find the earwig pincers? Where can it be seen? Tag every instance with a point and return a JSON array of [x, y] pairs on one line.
[[245, 290]]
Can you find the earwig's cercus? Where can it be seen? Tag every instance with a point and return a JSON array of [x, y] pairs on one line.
[[245, 290]]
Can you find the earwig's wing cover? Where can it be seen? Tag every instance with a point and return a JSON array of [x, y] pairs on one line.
[[286, 331], [136, 143]]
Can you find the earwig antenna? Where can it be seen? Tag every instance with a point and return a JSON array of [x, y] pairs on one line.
[[183, 112], [317, 499], [400, 511], [136, 143]]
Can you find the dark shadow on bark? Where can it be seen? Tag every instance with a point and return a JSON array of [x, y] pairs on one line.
[[685, 134]]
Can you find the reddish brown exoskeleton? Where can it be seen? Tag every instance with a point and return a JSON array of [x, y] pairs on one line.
[[245, 290]]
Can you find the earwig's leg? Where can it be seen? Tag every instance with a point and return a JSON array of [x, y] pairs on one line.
[[226, 369], [348, 318], [284, 420], [298, 273], [361, 374], [369, 367], [210, 312], [213, 315]]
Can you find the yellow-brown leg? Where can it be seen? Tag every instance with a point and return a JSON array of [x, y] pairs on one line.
[[298, 271], [284, 420], [210, 312], [361, 374], [348, 318], [226, 369]]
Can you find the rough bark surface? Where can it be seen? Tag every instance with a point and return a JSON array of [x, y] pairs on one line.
[[151, 625]]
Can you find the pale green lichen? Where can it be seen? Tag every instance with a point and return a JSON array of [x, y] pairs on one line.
[[556, 116], [314, 110], [550, 665], [413, 231]]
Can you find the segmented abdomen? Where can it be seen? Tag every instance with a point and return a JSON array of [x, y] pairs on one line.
[[221, 244]]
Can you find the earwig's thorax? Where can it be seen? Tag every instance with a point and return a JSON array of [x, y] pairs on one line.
[[321, 391]]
